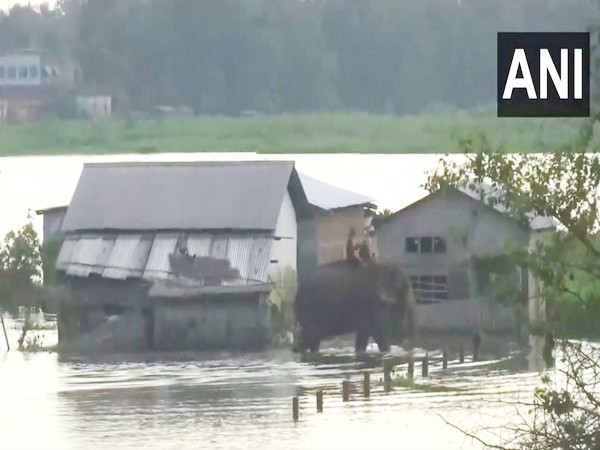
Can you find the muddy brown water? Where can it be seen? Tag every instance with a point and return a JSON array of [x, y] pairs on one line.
[[240, 400]]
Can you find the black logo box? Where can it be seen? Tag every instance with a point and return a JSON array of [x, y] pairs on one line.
[[519, 105]]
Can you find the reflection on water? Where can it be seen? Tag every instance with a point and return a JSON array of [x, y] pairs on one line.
[[226, 400]]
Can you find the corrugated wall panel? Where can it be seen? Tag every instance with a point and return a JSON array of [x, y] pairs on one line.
[[120, 263], [84, 256], [260, 259], [141, 255], [158, 266], [199, 244], [238, 254], [219, 247], [66, 251], [104, 253]]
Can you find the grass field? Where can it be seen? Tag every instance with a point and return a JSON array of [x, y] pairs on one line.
[[310, 133]]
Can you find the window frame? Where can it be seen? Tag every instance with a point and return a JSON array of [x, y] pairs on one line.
[[425, 245], [435, 291], [23, 72], [34, 71]]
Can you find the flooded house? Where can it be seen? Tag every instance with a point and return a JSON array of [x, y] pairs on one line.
[[453, 244], [183, 256]]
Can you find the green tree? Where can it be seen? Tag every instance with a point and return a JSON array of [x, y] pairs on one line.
[[20, 266], [564, 186]]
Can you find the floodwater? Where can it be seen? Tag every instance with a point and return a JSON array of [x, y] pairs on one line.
[[226, 400]]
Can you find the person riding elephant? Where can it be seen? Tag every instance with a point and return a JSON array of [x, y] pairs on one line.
[[351, 256]]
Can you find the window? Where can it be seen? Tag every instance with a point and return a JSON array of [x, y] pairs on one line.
[[439, 245], [425, 244], [412, 245], [12, 72], [33, 72], [430, 288], [23, 72]]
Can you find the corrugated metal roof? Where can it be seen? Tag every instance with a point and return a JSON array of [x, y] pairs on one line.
[[326, 196], [125, 256], [104, 253], [158, 266], [536, 221], [84, 256], [66, 250], [123, 262], [166, 196]]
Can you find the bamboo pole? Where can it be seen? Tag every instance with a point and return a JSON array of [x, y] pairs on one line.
[[4, 329]]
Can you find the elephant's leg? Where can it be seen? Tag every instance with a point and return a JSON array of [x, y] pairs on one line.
[[312, 338], [361, 341], [382, 342], [314, 344]]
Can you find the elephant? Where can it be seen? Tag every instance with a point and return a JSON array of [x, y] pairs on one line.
[[341, 298]]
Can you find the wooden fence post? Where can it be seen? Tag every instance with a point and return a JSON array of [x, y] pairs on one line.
[[367, 384], [445, 359], [476, 345], [462, 353], [295, 408], [387, 376], [425, 367], [411, 368], [345, 390], [319, 401]]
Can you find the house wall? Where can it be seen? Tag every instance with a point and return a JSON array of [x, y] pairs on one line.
[[118, 315], [20, 63], [470, 230], [332, 232], [53, 224], [223, 322], [284, 255]]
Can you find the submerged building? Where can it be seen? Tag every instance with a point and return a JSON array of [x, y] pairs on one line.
[[335, 212], [185, 256], [454, 245]]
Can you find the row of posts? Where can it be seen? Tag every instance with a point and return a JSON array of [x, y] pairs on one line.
[[387, 378]]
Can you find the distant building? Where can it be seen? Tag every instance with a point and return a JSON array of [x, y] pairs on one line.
[[53, 219], [453, 245], [94, 107], [31, 81], [181, 255], [336, 211]]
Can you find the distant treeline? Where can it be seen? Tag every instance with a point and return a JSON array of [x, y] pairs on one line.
[[271, 56]]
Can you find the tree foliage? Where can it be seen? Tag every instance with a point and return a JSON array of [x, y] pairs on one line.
[[20, 266], [563, 186]]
